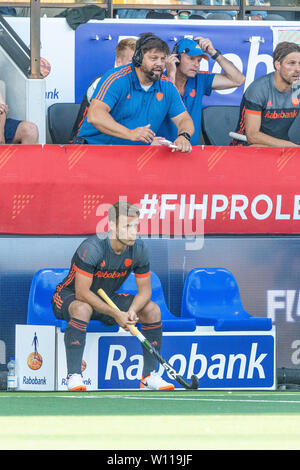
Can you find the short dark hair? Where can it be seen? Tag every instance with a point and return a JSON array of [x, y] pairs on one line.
[[283, 49], [122, 208], [149, 41], [145, 43]]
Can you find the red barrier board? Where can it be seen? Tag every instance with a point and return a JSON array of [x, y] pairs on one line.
[[67, 190]]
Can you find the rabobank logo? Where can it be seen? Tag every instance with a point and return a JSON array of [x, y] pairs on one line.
[[219, 361], [35, 360]]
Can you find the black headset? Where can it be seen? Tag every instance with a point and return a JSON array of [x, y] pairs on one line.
[[137, 58], [175, 50]]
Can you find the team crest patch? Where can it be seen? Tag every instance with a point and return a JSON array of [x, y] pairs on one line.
[[159, 96], [128, 262], [193, 93]]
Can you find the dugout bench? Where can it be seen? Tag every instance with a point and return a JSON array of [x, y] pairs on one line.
[[214, 338]]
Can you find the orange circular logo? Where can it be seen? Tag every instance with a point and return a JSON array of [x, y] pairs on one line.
[[34, 361], [128, 262], [45, 67]]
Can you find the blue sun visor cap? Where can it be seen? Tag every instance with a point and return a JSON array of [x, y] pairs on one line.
[[191, 48]]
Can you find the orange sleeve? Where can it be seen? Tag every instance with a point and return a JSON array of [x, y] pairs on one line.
[[80, 271], [142, 275]]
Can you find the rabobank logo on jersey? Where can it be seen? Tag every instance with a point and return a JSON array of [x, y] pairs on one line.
[[220, 361]]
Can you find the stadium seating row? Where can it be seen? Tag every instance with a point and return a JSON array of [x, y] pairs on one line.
[[215, 125], [210, 297]]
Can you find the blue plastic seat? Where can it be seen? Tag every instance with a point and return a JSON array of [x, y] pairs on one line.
[[40, 311], [170, 322], [211, 296], [44, 284]]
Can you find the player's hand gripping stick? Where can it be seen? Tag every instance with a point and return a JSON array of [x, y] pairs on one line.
[[135, 332]]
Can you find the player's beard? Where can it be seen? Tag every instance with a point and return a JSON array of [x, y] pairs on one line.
[[152, 75]]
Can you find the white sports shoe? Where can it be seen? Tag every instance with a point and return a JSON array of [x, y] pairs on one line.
[[75, 383], [155, 382]]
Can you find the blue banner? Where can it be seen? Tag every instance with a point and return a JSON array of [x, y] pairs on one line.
[[248, 47], [219, 361]]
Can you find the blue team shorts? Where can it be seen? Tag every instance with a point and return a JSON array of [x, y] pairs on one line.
[[10, 129], [62, 300]]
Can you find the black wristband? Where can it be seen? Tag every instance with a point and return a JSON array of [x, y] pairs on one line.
[[216, 55], [185, 135]]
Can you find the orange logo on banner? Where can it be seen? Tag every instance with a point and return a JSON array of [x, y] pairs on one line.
[[90, 201], [286, 156], [5, 156], [20, 201], [215, 157], [159, 96], [146, 157], [75, 156], [34, 361]]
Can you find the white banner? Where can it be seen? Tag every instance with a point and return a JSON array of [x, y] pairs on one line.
[[35, 357]]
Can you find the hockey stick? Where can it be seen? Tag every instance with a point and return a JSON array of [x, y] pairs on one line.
[[135, 332]]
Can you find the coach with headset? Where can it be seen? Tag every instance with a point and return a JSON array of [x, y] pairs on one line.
[[131, 101], [183, 70]]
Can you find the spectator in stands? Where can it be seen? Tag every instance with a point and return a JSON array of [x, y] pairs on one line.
[[256, 15], [227, 14], [13, 131], [124, 52], [190, 13], [271, 103], [130, 103], [183, 70], [132, 13]]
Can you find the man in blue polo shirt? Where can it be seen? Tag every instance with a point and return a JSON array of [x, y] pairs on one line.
[[131, 102], [183, 70]]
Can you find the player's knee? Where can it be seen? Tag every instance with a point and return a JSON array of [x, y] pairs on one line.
[[151, 313], [80, 310], [27, 133]]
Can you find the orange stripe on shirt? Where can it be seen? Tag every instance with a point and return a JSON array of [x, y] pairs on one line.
[[109, 80], [142, 275], [80, 271], [100, 97]]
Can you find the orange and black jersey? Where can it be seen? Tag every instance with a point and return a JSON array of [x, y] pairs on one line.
[[96, 259], [277, 109]]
